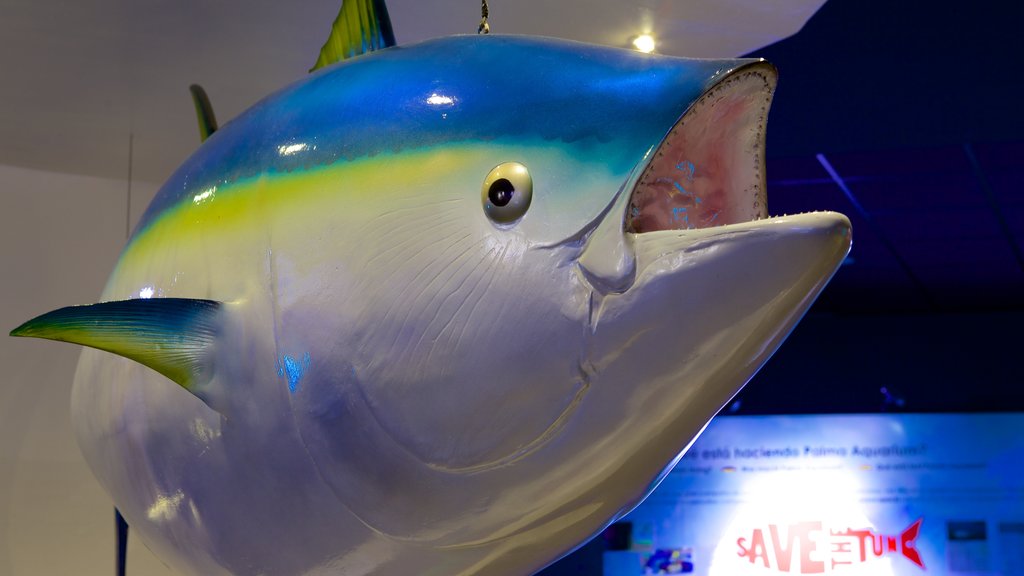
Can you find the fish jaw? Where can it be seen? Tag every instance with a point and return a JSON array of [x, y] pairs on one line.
[[694, 286], [689, 232], [764, 274], [706, 310]]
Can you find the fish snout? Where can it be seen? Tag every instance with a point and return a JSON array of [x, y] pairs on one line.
[[736, 290]]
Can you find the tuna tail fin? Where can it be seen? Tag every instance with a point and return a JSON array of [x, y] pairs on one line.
[[204, 112], [173, 336], [361, 26]]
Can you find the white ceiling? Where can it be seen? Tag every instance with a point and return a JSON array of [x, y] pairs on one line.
[[81, 78]]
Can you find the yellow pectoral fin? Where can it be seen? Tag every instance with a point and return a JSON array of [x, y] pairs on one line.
[[173, 336]]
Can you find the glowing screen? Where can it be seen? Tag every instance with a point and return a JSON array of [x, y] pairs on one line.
[[878, 495]]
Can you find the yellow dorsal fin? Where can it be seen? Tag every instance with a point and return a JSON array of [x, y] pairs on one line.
[[361, 26]]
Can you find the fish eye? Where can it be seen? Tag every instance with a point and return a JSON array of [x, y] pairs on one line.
[[507, 192]]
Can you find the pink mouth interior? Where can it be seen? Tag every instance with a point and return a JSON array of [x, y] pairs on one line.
[[709, 171]]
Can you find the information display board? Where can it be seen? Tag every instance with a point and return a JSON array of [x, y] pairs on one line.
[[878, 495]]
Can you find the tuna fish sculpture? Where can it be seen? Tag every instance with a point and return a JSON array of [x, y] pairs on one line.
[[444, 309]]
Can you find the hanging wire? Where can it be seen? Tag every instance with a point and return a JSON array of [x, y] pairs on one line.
[[484, 28]]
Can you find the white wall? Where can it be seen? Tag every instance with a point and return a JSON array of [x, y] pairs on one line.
[[59, 238]]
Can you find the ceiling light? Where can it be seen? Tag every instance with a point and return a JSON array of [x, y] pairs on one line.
[[644, 43]]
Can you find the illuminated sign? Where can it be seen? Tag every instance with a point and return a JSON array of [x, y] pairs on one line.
[[842, 495], [792, 548]]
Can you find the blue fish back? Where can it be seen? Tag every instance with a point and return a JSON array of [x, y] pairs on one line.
[[451, 90]]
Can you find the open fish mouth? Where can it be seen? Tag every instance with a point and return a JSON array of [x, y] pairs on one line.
[[710, 168]]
